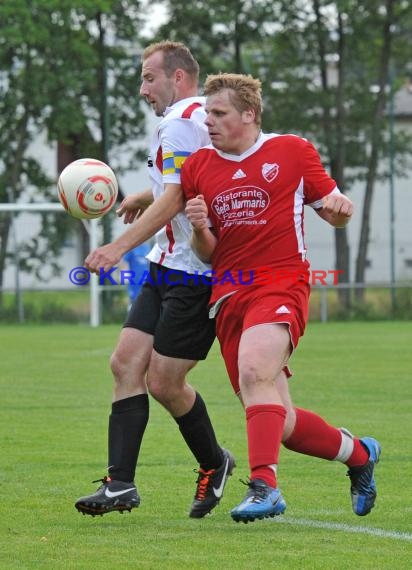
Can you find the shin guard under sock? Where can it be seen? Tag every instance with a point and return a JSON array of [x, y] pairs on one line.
[[127, 424]]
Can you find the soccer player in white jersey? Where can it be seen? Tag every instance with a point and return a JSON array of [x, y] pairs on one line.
[[167, 329], [246, 192]]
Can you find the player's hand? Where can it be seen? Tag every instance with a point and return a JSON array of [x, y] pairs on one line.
[[196, 212], [338, 206], [132, 207], [103, 258]]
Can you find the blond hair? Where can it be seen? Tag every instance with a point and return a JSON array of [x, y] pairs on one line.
[[175, 56], [245, 92]]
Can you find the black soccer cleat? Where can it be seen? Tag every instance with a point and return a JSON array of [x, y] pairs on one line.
[[210, 486], [110, 496]]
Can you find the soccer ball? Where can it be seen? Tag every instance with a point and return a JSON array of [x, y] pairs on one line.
[[87, 188]]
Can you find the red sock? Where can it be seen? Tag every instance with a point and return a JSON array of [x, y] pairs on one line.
[[264, 424], [314, 436], [359, 455]]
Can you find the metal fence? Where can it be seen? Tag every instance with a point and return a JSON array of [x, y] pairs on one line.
[[380, 301], [361, 301]]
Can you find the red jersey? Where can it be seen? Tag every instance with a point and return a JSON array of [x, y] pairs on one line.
[[255, 203]]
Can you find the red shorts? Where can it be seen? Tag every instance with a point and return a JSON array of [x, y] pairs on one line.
[[257, 306]]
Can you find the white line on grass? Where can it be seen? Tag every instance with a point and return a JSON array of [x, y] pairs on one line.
[[346, 528]]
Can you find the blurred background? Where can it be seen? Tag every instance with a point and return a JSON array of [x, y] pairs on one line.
[[338, 73]]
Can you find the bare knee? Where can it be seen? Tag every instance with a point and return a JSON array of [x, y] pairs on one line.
[[129, 363], [165, 385], [250, 378], [162, 392], [166, 382], [119, 364]]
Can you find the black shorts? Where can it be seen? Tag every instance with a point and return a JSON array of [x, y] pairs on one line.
[[173, 307]]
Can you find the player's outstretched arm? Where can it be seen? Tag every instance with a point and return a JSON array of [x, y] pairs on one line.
[[336, 209], [203, 240], [133, 206], [153, 219]]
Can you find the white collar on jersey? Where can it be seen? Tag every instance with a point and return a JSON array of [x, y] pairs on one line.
[[252, 149], [184, 102]]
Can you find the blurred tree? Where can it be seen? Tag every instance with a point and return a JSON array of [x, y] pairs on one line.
[[318, 61], [65, 66], [68, 68], [220, 34], [331, 62]]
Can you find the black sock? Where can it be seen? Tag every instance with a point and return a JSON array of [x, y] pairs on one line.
[[127, 424], [197, 431]]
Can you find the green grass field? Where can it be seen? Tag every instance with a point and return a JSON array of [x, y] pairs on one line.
[[55, 400]]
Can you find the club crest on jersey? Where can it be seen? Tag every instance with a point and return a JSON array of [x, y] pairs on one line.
[[270, 171]]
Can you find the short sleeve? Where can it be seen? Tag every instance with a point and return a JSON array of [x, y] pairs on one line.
[[178, 139], [317, 182]]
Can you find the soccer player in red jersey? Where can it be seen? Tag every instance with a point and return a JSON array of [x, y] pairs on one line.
[[167, 329], [246, 193]]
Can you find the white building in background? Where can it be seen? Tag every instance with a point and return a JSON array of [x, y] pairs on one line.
[[27, 225], [319, 235]]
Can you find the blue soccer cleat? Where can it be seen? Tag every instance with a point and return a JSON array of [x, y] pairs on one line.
[[363, 487], [261, 501]]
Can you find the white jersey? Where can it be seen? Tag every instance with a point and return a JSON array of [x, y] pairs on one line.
[[181, 131]]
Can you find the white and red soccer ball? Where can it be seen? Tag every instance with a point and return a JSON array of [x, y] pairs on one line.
[[87, 188]]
